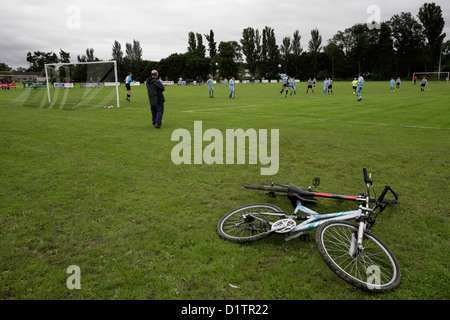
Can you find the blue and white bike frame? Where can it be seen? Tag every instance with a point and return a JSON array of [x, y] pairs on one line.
[[315, 219]]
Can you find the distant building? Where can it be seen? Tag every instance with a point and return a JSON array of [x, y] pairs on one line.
[[25, 76], [21, 76]]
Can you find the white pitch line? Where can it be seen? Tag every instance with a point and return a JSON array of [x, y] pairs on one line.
[[213, 109], [319, 119]]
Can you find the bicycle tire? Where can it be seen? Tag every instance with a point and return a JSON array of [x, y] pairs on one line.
[[236, 226], [374, 269], [267, 188]]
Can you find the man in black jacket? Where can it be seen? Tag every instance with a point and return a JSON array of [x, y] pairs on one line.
[[155, 90]]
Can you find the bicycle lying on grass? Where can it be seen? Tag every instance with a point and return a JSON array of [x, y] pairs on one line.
[[349, 249]]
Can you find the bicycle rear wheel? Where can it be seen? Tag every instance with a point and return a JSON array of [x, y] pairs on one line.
[[249, 223], [374, 268]]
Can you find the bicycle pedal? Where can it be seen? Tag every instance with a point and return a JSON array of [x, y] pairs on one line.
[[283, 225]]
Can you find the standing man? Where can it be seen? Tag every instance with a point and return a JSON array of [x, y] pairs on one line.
[[359, 87], [128, 81], [210, 84], [232, 88], [155, 90]]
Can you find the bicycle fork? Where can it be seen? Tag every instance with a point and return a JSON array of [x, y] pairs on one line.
[[356, 241], [357, 237]]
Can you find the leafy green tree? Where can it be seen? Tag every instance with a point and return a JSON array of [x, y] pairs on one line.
[[296, 52], [270, 54], [133, 60], [285, 51], [64, 57], [249, 45], [173, 67], [4, 67], [430, 15], [38, 59], [227, 59], [117, 55], [211, 44], [383, 58], [88, 57], [212, 49], [315, 45], [192, 43], [201, 49], [409, 43]]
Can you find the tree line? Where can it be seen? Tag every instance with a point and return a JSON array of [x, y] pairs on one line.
[[394, 48]]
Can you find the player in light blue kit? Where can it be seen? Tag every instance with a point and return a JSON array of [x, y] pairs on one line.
[[325, 86], [359, 87], [293, 85], [210, 84], [392, 84], [284, 81], [232, 87]]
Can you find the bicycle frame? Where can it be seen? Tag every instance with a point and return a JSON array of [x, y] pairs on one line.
[[287, 224], [316, 219]]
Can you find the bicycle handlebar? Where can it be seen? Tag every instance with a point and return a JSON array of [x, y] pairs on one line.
[[386, 189], [367, 178]]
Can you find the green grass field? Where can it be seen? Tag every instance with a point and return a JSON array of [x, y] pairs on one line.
[[94, 187]]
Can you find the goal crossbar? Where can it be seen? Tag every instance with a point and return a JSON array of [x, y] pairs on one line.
[[116, 80]]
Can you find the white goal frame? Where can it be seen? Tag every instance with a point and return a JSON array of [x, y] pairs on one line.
[[438, 73], [116, 80]]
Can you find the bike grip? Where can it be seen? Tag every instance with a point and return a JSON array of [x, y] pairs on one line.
[[366, 176]]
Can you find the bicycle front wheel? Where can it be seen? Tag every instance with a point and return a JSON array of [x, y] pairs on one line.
[[249, 223], [373, 268]]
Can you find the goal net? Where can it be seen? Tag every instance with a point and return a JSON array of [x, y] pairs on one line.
[[432, 76], [85, 85]]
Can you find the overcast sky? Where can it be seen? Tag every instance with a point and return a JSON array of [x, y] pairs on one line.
[[162, 26]]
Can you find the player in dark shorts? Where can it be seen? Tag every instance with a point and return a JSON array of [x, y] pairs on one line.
[[310, 86], [128, 81], [330, 85], [423, 83]]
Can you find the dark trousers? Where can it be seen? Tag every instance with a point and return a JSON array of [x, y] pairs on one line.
[[157, 114]]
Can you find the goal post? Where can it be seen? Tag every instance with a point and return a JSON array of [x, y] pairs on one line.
[[95, 74], [443, 75]]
